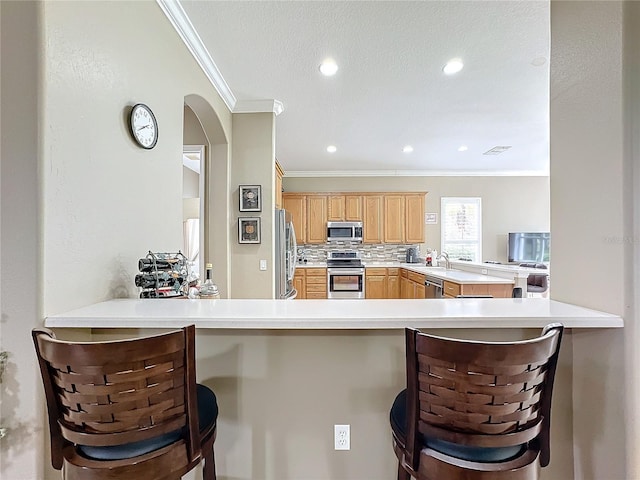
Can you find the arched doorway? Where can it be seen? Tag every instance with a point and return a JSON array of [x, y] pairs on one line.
[[202, 127]]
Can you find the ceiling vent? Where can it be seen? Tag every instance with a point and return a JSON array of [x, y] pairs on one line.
[[497, 150]]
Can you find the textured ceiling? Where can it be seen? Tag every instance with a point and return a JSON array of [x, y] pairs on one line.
[[390, 90]]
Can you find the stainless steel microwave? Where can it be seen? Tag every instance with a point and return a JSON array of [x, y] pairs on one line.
[[344, 231]]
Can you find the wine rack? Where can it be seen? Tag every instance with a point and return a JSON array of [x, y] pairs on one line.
[[163, 275]]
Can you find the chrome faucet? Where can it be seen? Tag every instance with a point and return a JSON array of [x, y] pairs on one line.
[[447, 263]]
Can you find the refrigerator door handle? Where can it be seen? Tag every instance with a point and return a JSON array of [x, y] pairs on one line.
[[294, 249]]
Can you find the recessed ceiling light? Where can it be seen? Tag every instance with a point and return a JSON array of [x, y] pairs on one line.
[[463, 148], [331, 149], [497, 150], [538, 61], [453, 66], [407, 149], [328, 67]]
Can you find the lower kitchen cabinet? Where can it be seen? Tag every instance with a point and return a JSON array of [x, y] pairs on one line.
[[393, 283], [382, 283], [496, 290], [375, 283], [300, 284], [311, 283], [411, 284]]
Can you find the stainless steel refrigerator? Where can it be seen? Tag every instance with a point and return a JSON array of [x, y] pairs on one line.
[[285, 257]]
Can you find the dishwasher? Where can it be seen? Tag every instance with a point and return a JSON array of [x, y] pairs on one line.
[[432, 287]]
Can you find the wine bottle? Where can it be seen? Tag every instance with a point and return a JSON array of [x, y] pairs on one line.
[[208, 288], [150, 265], [151, 280]]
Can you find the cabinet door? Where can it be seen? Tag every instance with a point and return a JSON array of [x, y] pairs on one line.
[[353, 208], [500, 290], [336, 204], [296, 204], [316, 283], [414, 218], [419, 290], [451, 289], [394, 218], [299, 284], [316, 219], [375, 286], [406, 288], [372, 223], [279, 174], [393, 286]]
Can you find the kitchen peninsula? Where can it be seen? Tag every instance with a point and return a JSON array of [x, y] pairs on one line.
[[333, 314], [285, 371]]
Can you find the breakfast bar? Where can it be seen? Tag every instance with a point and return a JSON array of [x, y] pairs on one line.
[[333, 314], [285, 372]]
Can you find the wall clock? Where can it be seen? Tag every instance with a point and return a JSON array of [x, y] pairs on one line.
[[144, 126]]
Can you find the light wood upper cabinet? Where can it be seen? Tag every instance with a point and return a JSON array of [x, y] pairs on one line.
[[279, 175], [316, 219], [414, 218], [336, 208], [353, 208], [386, 217], [394, 220], [343, 207], [296, 204], [372, 219]]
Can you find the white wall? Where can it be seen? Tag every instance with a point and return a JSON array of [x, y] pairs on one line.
[[590, 216], [509, 204], [22, 452], [253, 154], [632, 235], [80, 202], [106, 201]]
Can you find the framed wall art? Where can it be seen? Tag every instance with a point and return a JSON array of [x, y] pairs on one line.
[[250, 198], [249, 230]]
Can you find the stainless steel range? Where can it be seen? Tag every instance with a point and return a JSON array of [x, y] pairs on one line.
[[345, 274]]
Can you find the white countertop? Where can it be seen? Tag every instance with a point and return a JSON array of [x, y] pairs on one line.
[[457, 276], [333, 314]]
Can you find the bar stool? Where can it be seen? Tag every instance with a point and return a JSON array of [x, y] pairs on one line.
[[475, 410], [127, 409]]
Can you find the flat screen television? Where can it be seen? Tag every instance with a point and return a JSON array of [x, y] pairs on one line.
[[528, 247]]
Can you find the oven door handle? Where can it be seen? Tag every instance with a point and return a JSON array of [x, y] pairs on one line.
[[345, 271]]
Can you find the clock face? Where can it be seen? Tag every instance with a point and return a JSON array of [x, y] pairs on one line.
[[144, 126]]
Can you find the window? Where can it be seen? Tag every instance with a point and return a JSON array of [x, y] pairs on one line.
[[462, 228]]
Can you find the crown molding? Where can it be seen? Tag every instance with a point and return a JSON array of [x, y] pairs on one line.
[[181, 23], [259, 106], [411, 173]]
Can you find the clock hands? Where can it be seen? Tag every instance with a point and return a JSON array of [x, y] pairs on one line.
[[145, 126]]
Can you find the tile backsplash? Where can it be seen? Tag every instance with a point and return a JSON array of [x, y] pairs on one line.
[[370, 252]]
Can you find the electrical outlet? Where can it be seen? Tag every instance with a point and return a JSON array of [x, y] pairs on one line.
[[342, 437], [484, 271]]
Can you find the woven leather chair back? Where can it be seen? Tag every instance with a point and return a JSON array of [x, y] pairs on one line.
[[484, 394], [114, 393]]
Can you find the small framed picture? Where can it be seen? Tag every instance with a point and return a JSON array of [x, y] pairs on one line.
[[431, 218], [250, 198], [249, 230]]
